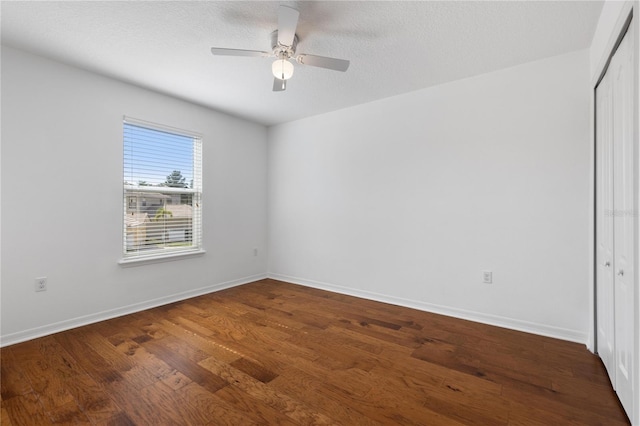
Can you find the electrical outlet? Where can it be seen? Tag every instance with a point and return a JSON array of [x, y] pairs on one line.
[[487, 277], [41, 284]]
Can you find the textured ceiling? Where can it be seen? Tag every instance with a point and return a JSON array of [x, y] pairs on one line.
[[394, 47]]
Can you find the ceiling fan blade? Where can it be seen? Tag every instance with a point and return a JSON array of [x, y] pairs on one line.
[[287, 23], [279, 85], [238, 52], [323, 62]]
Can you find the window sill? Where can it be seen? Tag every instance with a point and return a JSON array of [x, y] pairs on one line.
[[159, 258]]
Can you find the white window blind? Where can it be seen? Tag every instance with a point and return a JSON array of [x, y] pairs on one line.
[[162, 190]]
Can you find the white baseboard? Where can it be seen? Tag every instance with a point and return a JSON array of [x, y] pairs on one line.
[[33, 333], [510, 323]]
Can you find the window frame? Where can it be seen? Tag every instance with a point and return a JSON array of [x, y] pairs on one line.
[[129, 190]]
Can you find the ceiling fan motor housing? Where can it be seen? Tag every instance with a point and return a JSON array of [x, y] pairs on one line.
[[282, 51]]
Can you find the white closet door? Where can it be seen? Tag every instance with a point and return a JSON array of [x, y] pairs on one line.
[[604, 226], [621, 69]]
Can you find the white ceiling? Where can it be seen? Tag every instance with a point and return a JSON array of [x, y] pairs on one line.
[[394, 46]]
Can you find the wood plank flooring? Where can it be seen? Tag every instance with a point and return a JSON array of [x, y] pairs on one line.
[[276, 353]]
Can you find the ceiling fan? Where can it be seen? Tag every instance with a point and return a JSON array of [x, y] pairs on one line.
[[283, 44]]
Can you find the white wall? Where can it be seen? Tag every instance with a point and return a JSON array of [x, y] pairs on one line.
[[62, 198], [408, 199]]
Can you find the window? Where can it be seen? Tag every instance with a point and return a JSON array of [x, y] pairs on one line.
[[162, 191]]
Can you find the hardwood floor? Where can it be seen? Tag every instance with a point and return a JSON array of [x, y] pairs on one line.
[[276, 353]]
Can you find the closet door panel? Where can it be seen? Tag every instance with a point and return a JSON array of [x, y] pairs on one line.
[[621, 69], [604, 227]]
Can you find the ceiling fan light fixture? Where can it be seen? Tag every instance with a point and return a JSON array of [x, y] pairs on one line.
[[284, 42], [282, 69]]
